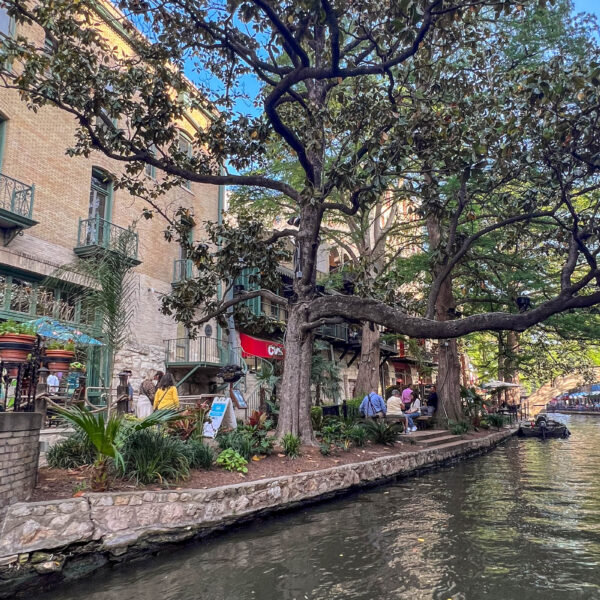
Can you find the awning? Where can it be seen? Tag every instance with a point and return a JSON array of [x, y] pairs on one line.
[[252, 346]]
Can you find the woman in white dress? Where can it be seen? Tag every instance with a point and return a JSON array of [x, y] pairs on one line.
[[145, 400]]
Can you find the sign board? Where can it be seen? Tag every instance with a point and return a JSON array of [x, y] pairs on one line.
[[239, 398], [252, 346], [221, 413]]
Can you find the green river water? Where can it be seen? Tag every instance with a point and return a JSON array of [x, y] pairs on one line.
[[520, 523]]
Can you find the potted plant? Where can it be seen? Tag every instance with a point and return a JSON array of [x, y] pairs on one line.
[[16, 341], [60, 355]]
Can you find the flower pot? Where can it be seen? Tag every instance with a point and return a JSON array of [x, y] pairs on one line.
[[15, 347], [59, 360]]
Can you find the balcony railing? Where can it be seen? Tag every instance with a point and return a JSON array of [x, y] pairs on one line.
[[16, 197], [97, 233], [202, 350], [183, 269], [337, 332]]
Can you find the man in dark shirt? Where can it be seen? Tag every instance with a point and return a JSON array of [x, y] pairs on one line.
[[432, 399]]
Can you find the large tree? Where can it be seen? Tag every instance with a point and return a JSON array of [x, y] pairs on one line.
[[334, 70]]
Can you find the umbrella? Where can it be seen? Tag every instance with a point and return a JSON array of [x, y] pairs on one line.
[[499, 385], [49, 328]]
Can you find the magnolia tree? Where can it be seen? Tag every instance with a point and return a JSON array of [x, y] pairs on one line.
[[355, 92]]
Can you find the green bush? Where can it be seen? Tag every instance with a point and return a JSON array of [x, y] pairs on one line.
[[246, 440], [199, 454], [291, 445], [316, 417], [358, 435], [352, 406], [150, 456], [232, 461], [325, 449], [381, 432], [458, 428], [75, 451], [495, 420]]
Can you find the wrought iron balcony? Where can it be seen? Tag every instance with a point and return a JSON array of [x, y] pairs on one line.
[[16, 207], [96, 234], [202, 351]]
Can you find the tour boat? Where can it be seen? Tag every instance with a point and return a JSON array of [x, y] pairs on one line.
[[543, 427]]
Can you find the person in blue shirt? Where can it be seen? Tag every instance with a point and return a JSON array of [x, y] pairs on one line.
[[373, 405]]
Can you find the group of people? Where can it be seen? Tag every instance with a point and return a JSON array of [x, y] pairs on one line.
[[157, 392], [405, 405]]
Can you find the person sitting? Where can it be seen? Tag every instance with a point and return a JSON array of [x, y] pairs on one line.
[[395, 408], [372, 406], [432, 400], [413, 412], [166, 394]]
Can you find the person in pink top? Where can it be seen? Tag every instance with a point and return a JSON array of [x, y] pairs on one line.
[[407, 397]]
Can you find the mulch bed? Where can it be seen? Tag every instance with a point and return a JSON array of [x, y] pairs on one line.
[[54, 484]]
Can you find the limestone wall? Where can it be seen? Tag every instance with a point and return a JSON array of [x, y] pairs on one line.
[[52, 538], [19, 452]]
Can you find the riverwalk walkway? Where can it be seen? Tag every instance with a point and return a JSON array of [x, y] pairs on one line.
[[43, 543]]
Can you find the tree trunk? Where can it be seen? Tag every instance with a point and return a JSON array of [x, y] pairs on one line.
[[513, 395], [368, 368], [294, 408]]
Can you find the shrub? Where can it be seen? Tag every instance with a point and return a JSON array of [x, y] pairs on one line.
[[381, 432], [358, 435], [291, 445], [352, 406], [325, 449], [246, 440], [458, 428], [199, 455], [495, 420], [75, 451], [316, 417], [150, 456], [232, 461]]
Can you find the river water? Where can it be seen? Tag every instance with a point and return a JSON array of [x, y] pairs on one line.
[[520, 523]]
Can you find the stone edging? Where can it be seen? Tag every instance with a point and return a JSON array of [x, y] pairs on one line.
[[43, 543]]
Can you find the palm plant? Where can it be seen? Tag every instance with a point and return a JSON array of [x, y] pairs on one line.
[[381, 432], [106, 285], [108, 434]]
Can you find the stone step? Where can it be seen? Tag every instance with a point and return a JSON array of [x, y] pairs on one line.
[[451, 445], [428, 434], [437, 441]]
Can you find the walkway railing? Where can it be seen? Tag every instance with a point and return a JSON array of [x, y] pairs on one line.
[[201, 350], [16, 197]]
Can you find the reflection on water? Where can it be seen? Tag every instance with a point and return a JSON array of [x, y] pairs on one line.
[[520, 523]]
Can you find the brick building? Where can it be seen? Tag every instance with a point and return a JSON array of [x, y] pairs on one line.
[[54, 208]]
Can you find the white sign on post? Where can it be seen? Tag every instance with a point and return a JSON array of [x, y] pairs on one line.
[[221, 413]]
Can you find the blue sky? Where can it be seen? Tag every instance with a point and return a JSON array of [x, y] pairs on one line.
[[591, 6]]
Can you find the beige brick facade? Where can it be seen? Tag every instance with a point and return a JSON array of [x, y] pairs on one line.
[[34, 148]]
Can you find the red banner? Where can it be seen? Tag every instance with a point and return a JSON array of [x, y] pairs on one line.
[[263, 348]]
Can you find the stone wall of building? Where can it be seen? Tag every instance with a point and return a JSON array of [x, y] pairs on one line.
[[19, 452], [53, 538]]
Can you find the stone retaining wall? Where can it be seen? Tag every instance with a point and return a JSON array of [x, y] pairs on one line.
[[64, 538], [19, 452]]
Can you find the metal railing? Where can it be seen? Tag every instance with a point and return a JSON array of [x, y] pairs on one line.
[[100, 232], [202, 350], [16, 197], [183, 269], [337, 331]]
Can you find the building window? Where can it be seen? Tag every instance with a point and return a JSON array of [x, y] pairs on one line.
[[45, 302], [185, 146], [99, 208], [6, 23], [150, 170]]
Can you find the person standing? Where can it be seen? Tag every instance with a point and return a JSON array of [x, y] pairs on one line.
[[52, 382], [166, 394], [373, 405], [146, 396]]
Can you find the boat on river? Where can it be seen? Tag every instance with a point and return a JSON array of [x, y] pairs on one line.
[[543, 427]]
